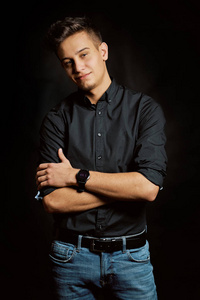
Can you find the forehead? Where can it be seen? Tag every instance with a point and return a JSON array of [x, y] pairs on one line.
[[74, 43]]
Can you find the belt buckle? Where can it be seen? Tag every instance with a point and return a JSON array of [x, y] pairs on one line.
[[108, 245], [93, 244]]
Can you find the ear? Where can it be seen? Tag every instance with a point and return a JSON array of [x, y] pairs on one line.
[[103, 48]]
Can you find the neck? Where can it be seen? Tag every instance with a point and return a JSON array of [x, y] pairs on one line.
[[95, 94]]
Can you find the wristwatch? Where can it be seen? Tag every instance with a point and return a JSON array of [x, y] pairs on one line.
[[82, 176]]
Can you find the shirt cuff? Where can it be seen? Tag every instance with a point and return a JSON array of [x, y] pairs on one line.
[[154, 176], [38, 197], [43, 192]]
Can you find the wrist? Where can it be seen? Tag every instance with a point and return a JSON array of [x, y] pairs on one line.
[[73, 180]]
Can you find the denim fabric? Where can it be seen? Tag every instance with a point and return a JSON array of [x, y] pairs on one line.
[[81, 274]]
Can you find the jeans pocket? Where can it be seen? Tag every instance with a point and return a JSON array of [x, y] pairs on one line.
[[62, 252], [140, 255]]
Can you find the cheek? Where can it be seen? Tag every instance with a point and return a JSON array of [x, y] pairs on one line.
[[90, 63], [94, 61], [96, 65], [69, 73]]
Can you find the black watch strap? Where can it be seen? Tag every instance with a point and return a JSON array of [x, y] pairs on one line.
[[81, 187]]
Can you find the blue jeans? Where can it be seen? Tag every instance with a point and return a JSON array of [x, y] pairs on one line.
[[79, 273]]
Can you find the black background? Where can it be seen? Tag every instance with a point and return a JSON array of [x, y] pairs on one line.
[[153, 47]]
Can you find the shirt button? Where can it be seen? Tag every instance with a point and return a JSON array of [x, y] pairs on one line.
[[99, 112], [99, 157], [99, 134]]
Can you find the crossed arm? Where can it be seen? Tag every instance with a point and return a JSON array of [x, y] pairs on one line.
[[101, 188]]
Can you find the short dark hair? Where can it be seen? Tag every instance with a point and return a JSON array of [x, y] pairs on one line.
[[62, 29]]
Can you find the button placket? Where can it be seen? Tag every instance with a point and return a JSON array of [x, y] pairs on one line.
[[99, 141]]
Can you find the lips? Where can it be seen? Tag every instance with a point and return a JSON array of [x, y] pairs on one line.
[[83, 76]]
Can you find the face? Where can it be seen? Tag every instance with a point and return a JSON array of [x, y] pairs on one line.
[[84, 60]]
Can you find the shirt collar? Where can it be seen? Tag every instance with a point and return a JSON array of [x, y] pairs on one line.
[[107, 96]]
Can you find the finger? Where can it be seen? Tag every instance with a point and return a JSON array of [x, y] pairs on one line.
[[41, 179], [61, 155], [41, 185], [41, 173], [42, 167]]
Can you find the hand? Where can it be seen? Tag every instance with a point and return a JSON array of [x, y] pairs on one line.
[[56, 174]]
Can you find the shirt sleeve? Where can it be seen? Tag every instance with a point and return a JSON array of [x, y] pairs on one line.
[[52, 137], [150, 156]]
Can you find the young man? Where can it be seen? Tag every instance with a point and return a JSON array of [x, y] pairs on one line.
[[102, 158]]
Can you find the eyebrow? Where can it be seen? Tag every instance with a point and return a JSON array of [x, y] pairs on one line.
[[77, 52]]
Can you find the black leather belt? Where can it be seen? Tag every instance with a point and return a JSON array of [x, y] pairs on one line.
[[104, 244]]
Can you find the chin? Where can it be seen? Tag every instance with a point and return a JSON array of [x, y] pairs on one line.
[[87, 87]]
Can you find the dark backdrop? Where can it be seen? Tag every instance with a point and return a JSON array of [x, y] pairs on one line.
[[153, 47]]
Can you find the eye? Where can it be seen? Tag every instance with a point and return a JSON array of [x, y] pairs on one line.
[[68, 63], [84, 54]]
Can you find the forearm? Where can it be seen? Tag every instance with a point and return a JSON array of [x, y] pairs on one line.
[[131, 186], [68, 200]]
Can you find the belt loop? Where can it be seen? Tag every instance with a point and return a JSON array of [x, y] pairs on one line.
[[79, 242], [124, 244]]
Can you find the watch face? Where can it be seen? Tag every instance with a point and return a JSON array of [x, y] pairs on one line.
[[83, 175]]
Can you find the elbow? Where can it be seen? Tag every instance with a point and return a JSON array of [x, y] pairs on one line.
[[145, 190], [152, 193], [146, 193], [48, 204]]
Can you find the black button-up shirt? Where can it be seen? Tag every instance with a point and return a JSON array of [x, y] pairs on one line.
[[123, 132]]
